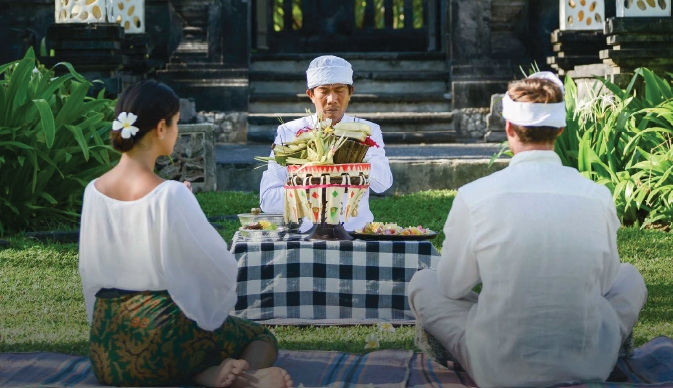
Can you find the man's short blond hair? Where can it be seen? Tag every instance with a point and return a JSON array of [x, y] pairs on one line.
[[537, 90]]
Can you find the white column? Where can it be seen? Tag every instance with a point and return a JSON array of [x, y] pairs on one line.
[[81, 11], [130, 14], [581, 14], [643, 8]]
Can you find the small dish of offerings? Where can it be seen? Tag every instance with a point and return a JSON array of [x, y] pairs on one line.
[[260, 225], [256, 215], [262, 231], [392, 231]]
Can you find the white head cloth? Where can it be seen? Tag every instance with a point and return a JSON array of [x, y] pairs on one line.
[[327, 70], [530, 114]]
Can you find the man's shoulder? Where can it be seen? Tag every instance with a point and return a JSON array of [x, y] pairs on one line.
[[573, 183]]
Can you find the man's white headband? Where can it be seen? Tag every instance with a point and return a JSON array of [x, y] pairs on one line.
[[327, 70], [529, 114]]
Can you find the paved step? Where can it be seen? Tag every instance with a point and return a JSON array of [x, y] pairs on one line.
[[359, 103], [396, 127], [415, 168]]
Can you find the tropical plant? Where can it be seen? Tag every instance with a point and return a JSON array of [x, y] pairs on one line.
[[51, 143], [622, 138]]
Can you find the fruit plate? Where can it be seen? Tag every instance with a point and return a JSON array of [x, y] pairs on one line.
[[394, 237]]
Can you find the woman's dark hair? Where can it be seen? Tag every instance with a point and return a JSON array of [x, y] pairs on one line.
[[151, 101]]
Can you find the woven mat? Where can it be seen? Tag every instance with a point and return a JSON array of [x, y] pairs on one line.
[[652, 365]]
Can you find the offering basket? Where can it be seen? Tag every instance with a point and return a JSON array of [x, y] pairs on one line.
[[318, 192]]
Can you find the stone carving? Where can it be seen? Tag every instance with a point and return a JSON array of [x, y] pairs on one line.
[[643, 8], [581, 14], [495, 123], [193, 158], [81, 11], [230, 127], [129, 13], [472, 122]]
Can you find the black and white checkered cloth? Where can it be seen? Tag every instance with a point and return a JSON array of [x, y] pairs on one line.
[[298, 282]]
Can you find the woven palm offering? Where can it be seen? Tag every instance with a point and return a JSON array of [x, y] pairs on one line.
[[326, 178], [355, 148]]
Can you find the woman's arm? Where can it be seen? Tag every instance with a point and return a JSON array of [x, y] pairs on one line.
[[199, 269]]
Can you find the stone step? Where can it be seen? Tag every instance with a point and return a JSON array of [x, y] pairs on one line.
[[198, 57], [359, 103], [192, 46], [357, 75], [414, 168], [392, 82], [423, 127], [359, 65], [364, 86], [209, 94], [193, 66], [382, 56], [213, 73]]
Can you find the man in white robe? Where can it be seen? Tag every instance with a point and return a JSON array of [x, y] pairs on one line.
[[330, 86], [555, 303]]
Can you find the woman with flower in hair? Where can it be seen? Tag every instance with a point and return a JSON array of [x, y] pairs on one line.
[[158, 280]]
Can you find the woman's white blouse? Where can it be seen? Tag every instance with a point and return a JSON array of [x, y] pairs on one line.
[[162, 241]]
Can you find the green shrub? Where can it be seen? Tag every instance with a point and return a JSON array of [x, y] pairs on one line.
[[51, 143], [621, 138]]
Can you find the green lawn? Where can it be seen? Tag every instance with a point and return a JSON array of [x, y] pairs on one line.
[[42, 308]]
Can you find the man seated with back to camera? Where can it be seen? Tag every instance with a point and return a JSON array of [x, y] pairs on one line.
[[556, 305]]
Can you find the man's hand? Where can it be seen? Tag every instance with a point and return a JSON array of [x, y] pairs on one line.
[[189, 185]]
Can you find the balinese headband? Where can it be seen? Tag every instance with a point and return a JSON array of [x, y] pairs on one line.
[[530, 114]]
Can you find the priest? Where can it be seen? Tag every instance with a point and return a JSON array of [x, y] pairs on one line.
[[329, 85]]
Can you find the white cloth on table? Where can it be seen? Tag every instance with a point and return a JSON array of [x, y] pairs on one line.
[[162, 241], [272, 193], [555, 303]]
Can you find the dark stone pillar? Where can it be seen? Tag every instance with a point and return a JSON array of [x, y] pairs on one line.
[[164, 25], [471, 33], [23, 24], [235, 31], [215, 31]]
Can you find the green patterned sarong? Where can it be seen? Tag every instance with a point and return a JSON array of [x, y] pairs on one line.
[[144, 339]]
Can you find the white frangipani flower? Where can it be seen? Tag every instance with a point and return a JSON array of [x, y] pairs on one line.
[[372, 341], [124, 122], [386, 327], [326, 123]]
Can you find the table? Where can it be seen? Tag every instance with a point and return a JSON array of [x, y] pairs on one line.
[[327, 282]]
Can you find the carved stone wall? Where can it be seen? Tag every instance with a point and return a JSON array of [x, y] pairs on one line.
[[193, 158]]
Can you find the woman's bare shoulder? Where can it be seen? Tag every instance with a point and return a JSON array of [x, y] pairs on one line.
[[127, 187]]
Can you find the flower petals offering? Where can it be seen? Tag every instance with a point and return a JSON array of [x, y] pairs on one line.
[[261, 225], [392, 229]]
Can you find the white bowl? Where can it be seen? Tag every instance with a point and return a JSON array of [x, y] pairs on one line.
[[262, 235], [249, 218]]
